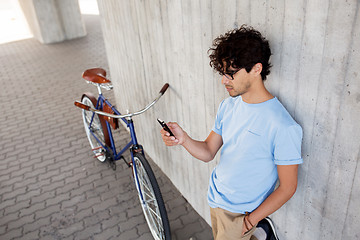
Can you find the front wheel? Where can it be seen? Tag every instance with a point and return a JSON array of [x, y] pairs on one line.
[[150, 198]]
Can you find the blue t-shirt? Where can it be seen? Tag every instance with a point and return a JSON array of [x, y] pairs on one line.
[[256, 138]]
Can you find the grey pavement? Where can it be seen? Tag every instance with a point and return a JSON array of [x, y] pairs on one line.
[[51, 186]]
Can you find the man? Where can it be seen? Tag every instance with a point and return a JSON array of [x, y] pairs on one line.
[[261, 143]]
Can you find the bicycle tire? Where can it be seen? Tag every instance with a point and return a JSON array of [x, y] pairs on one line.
[[98, 127], [153, 205]]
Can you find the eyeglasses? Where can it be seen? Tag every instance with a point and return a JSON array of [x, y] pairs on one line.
[[230, 75]]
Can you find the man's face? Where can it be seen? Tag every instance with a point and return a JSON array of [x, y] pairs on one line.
[[239, 85]]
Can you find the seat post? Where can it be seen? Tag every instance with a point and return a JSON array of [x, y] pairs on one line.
[[99, 88]]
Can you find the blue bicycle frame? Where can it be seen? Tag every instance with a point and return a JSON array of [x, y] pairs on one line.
[[132, 145], [129, 123]]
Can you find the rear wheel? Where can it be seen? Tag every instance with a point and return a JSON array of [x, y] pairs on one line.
[[150, 198], [97, 127]]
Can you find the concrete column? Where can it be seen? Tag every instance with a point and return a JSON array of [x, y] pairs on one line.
[[53, 20]]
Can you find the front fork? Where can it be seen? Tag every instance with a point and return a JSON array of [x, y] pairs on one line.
[[136, 149]]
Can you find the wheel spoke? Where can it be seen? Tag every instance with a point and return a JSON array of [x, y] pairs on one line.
[[148, 192], [156, 215], [95, 127]]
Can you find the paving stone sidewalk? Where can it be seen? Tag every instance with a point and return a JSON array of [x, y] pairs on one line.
[[50, 185]]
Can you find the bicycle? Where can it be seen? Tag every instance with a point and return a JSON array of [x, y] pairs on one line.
[[99, 116]]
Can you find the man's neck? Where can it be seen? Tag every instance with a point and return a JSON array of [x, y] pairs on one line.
[[257, 94]]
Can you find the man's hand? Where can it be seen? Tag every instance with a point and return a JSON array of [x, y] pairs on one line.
[[202, 150], [247, 225], [179, 134]]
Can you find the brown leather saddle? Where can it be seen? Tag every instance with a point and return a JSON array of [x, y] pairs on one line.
[[96, 75]]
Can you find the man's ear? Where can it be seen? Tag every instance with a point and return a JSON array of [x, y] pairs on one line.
[[257, 68]]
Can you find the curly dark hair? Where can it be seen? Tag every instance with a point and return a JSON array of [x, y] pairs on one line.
[[240, 48]]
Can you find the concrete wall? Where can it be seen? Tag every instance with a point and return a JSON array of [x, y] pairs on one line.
[[53, 20], [316, 63]]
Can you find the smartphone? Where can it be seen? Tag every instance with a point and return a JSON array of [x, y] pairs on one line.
[[165, 127]]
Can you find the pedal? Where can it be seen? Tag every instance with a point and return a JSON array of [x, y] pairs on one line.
[[97, 148], [98, 155], [98, 151], [127, 163]]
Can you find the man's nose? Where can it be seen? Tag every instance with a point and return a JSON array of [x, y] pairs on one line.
[[224, 80]]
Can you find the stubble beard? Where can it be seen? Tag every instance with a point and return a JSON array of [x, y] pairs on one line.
[[240, 92]]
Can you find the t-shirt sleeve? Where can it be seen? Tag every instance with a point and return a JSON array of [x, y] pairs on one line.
[[218, 123], [287, 147]]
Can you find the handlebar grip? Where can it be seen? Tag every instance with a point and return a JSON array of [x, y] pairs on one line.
[[81, 105], [164, 88]]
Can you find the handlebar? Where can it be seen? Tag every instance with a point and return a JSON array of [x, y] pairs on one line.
[[164, 88], [88, 108]]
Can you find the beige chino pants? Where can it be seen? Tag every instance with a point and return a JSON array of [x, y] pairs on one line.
[[228, 226]]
